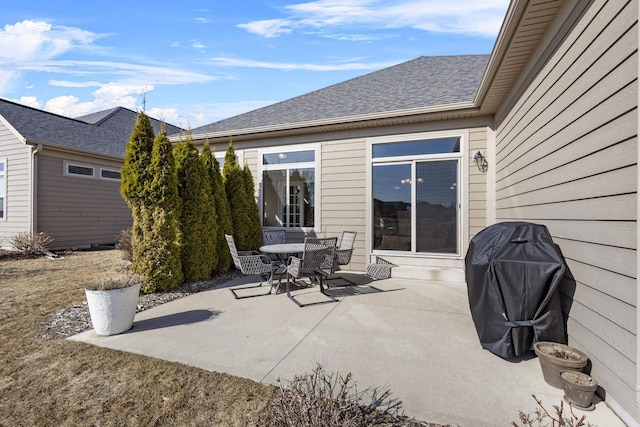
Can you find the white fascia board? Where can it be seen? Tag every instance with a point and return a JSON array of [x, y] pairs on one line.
[[333, 121]]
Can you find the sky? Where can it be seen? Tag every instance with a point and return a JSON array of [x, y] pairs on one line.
[[197, 62]]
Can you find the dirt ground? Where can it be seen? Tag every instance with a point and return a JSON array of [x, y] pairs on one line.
[[63, 383]]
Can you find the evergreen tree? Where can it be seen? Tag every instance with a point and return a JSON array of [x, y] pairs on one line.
[[212, 219], [135, 172], [198, 248], [230, 161], [161, 265], [225, 226], [254, 224], [136, 179], [235, 188]]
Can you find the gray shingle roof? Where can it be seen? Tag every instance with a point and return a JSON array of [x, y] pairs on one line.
[[422, 82], [105, 132]]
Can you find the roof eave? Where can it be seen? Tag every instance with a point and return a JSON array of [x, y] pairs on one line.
[[328, 123], [68, 149], [507, 30]]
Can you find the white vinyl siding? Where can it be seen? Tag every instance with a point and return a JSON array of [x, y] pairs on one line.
[[17, 157], [79, 211], [567, 158], [343, 179], [477, 182]]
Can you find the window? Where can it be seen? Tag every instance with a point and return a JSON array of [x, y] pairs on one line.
[[415, 192], [289, 188], [3, 188], [220, 158], [79, 170], [110, 174]]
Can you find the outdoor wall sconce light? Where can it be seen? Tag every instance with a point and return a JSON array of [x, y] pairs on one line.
[[481, 161]]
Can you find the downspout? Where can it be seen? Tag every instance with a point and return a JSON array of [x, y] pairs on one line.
[[33, 187]]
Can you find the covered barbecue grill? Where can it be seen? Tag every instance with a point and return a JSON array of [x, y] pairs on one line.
[[513, 271]]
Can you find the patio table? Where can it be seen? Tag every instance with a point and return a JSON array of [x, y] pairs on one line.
[[283, 250]]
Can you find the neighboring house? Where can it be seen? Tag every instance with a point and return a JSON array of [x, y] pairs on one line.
[[391, 154], [62, 175]]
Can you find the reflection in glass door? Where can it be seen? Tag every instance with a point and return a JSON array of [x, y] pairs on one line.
[[437, 206], [392, 207], [430, 188]]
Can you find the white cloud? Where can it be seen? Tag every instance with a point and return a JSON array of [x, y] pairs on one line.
[[269, 27], [125, 73], [30, 46], [469, 17], [36, 40], [105, 97], [29, 101], [29, 40], [198, 45], [66, 83], [203, 20], [288, 66]]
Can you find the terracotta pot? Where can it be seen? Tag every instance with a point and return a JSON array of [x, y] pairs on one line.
[[578, 389], [112, 311], [555, 357]]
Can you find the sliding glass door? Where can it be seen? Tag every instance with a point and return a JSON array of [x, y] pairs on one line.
[[415, 191]]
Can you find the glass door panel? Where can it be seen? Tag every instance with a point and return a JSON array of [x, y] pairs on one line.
[[437, 207], [274, 198], [391, 192]]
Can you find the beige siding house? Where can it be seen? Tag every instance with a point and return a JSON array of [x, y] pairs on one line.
[[62, 176], [566, 156], [553, 111]]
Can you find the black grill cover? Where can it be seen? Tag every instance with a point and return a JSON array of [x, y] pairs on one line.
[[513, 270]]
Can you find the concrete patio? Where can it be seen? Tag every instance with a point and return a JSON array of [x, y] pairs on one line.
[[416, 338]]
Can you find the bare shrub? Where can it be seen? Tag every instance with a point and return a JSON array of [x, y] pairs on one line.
[[558, 419], [31, 243], [322, 399], [123, 243], [113, 282]]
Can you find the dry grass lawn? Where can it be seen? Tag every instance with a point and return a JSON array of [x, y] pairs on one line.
[[58, 382]]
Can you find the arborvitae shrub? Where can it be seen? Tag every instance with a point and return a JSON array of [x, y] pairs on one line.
[[161, 265], [136, 179], [135, 170], [198, 247], [235, 187], [254, 226], [225, 226]]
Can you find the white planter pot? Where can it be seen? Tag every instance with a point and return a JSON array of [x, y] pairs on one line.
[[112, 311]]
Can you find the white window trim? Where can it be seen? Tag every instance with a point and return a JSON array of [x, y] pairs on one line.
[[106, 178], [463, 188], [5, 187], [67, 163], [317, 165]]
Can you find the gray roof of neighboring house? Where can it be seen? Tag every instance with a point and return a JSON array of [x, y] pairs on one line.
[[105, 132], [423, 82], [123, 120]]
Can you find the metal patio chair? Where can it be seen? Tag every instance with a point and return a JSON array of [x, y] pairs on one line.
[[274, 237], [344, 252], [317, 262], [252, 263]]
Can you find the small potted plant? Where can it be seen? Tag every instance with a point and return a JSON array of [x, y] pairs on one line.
[[555, 357], [112, 303], [578, 389]]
